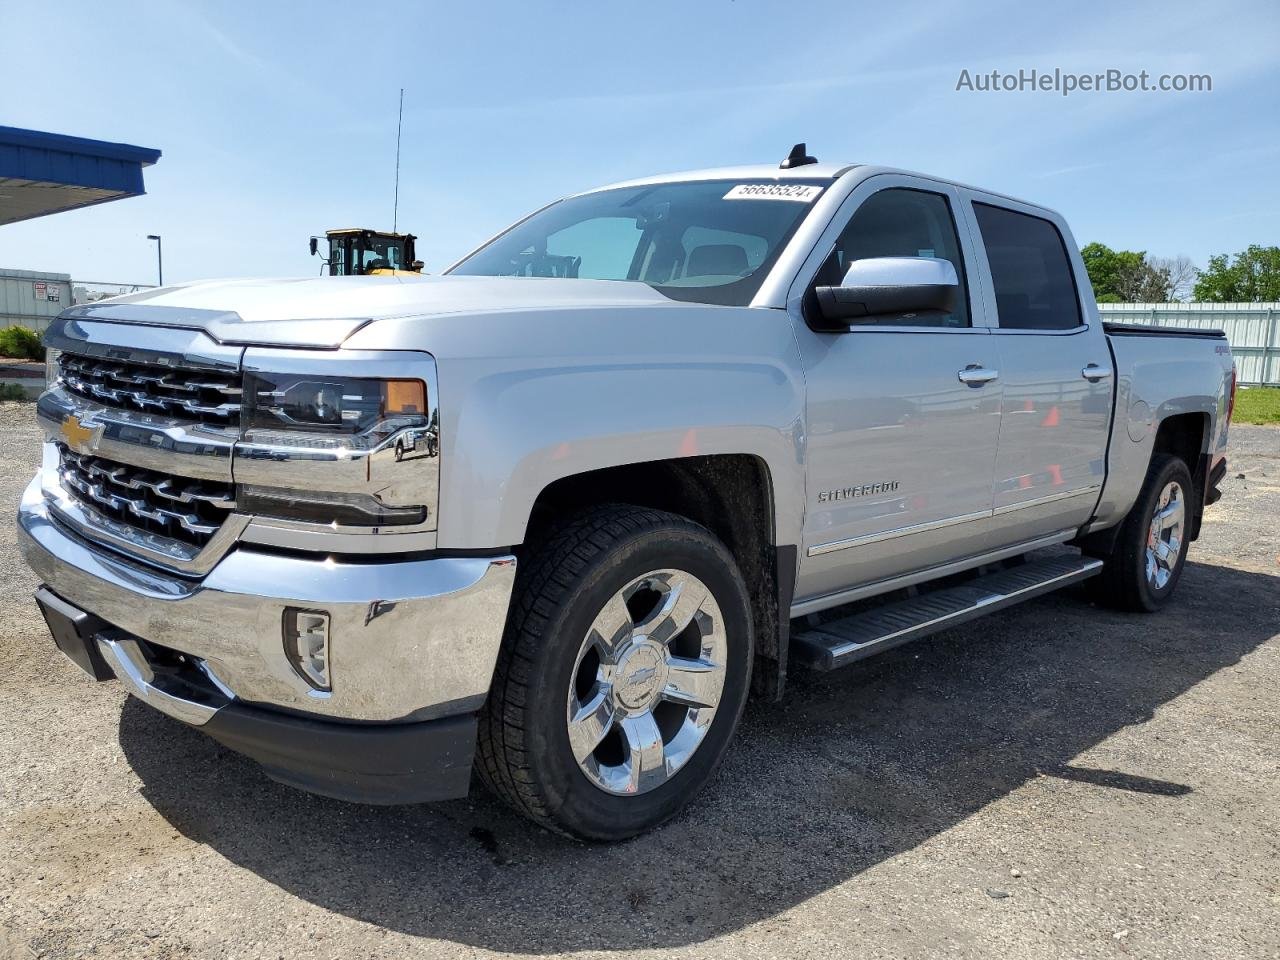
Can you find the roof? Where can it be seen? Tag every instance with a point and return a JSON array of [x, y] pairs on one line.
[[43, 173], [34, 275], [342, 231], [811, 171], [757, 172]]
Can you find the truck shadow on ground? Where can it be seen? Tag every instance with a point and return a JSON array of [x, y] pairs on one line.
[[851, 769]]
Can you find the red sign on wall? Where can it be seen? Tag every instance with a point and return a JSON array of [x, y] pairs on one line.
[[49, 292]]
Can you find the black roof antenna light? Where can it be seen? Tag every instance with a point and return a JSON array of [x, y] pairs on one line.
[[798, 157]]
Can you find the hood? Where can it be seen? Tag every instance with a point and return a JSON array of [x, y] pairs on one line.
[[324, 311]]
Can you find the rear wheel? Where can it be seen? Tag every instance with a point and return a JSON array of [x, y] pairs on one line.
[[622, 676], [1146, 562]]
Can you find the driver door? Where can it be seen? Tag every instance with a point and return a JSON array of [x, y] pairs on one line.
[[901, 451]]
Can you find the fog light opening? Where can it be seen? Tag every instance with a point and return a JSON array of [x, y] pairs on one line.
[[306, 645]]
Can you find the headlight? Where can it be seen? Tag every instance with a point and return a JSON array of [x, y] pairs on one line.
[[359, 411], [338, 450]]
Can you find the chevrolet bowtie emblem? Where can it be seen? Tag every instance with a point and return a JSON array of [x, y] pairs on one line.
[[77, 433]]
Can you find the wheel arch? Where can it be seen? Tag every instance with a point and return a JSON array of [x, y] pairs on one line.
[[733, 496], [1186, 436]]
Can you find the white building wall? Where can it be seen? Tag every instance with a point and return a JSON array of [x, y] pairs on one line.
[[1252, 329]]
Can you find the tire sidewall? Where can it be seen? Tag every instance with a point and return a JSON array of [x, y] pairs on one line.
[[1150, 596], [575, 801]]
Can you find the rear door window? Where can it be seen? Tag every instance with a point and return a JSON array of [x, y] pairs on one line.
[[1034, 286]]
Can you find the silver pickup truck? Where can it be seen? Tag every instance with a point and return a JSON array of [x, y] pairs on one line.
[[556, 513]]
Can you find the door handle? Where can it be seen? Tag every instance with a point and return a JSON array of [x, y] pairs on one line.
[[975, 375], [1094, 373]]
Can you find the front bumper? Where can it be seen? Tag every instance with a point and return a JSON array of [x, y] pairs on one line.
[[359, 762], [410, 641]]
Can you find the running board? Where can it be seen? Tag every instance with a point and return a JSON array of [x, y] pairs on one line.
[[842, 642]]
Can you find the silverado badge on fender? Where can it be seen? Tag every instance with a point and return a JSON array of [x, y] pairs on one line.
[[864, 490]]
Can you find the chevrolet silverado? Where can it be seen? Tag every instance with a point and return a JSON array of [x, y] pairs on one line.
[[556, 513]]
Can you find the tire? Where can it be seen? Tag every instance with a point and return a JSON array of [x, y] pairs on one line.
[[1140, 575], [574, 665]]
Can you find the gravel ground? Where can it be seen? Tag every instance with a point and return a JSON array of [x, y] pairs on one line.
[[1054, 780]]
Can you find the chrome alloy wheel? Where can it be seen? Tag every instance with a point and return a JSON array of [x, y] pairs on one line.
[[647, 682], [1164, 538]]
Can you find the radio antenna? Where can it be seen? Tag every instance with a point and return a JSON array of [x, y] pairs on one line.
[[395, 211]]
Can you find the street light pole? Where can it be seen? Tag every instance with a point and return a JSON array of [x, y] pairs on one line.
[[159, 256]]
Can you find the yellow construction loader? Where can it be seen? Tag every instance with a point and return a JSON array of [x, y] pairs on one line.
[[355, 251]]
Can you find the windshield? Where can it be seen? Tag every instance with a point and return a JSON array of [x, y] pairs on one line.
[[366, 253], [710, 241], [380, 253]]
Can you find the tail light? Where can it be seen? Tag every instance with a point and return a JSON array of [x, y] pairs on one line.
[[1231, 403]]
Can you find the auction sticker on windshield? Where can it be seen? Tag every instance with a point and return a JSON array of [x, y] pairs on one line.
[[805, 193]]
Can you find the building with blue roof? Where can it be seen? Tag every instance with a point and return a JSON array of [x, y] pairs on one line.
[[43, 173]]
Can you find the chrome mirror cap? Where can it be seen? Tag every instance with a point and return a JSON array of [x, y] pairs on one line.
[[889, 289], [900, 272]]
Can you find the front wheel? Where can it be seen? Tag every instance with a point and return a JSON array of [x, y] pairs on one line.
[[1146, 562], [623, 674]]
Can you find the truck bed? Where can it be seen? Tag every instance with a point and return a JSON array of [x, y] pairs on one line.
[[1149, 330]]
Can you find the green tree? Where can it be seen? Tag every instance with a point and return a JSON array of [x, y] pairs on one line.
[[1128, 276], [1251, 276], [1104, 266]]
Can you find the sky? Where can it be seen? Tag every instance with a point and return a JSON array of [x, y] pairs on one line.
[[277, 121]]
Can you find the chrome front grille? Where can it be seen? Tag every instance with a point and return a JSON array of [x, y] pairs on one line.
[[189, 395], [180, 508]]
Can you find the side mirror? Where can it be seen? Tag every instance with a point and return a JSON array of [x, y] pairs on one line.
[[314, 246], [882, 288]]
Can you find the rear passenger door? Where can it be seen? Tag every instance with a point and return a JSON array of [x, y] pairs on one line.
[[1055, 369]]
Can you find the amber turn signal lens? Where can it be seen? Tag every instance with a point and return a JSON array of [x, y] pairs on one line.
[[404, 396]]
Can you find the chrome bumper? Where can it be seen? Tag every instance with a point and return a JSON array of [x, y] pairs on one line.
[[409, 639], [127, 661]]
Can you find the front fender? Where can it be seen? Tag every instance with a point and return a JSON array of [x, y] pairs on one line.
[[528, 398]]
